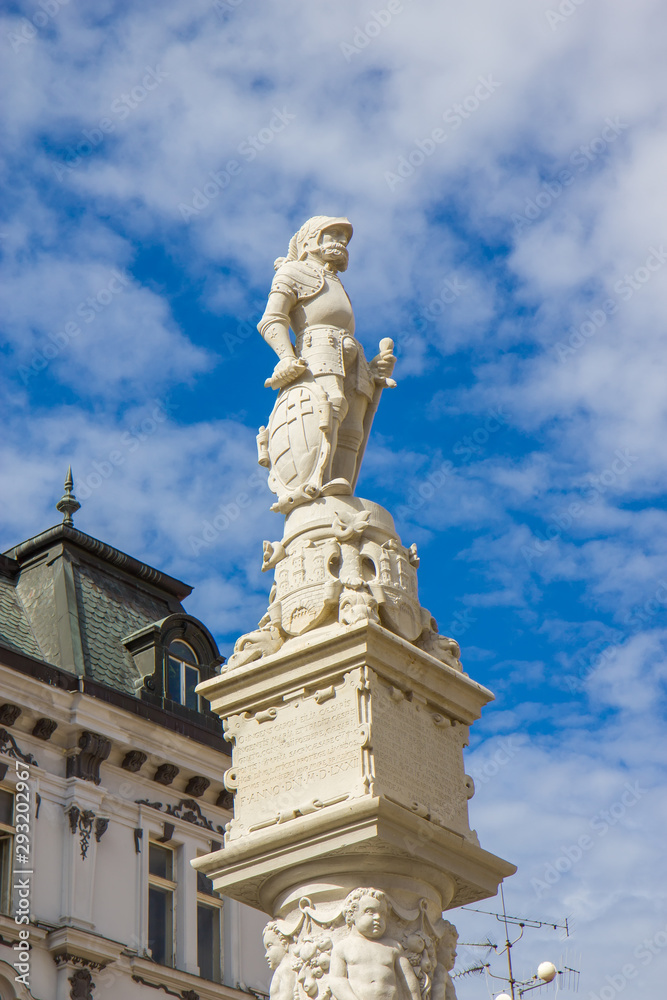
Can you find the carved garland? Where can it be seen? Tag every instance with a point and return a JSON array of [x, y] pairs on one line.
[[14, 751], [67, 958], [82, 985], [187, 809], [301, 955], [83, 822]]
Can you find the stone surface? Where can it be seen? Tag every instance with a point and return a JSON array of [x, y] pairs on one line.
[[371, 944], [328, 392], [340, 560], [347, 757]]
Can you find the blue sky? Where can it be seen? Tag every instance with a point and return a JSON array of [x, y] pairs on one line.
[[503, 167]]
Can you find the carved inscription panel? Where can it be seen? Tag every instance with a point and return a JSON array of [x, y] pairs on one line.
[[306, 757], [418, 757]]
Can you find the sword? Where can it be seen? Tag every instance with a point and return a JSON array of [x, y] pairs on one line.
[[386, 350]]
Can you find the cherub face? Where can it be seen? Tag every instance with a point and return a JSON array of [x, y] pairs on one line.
[[275, 949], [447, 953], [370, 918]]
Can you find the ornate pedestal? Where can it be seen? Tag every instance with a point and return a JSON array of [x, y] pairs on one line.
[[347, 773]]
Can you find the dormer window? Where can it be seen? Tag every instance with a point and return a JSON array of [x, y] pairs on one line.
[[171, 657], [183, 674]]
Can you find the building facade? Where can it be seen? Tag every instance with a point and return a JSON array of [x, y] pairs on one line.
[[111, 781]]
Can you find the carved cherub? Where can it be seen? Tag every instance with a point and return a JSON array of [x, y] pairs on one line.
[[283, 980], [443, 987], [366, 965]]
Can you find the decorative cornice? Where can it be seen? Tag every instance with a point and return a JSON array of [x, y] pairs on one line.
[[82, 948], [183, 995], [65, 533], [184, 985]]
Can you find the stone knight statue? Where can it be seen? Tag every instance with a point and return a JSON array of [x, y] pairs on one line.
[[328, 392], [340, 559]]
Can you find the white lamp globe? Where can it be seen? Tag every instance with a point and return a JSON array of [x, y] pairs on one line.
[[503, 996], [547, 971]]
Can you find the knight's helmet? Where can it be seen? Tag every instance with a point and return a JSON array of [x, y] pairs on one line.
[[308, 236]]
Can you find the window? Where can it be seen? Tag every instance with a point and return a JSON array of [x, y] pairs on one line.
[[6, 848], [161, 898], [209, 930], [182, 674]]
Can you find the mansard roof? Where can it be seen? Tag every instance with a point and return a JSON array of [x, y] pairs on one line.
[[70, 600]]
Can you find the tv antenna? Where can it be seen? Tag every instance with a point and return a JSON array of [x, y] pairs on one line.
[[546, 971]]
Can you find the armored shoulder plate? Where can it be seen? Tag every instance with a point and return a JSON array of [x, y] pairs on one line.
[[299, 278]]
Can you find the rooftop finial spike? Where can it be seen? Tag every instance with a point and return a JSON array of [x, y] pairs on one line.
[[68, 503]]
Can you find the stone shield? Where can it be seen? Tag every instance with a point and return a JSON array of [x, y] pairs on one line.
[[298, 446]]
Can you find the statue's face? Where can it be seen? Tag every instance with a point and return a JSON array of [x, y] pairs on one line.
[[448, 953], [332, 247], [371, 917], [274, 949]]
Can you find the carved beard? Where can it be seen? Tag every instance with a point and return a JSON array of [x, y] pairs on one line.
[[336, 254]]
